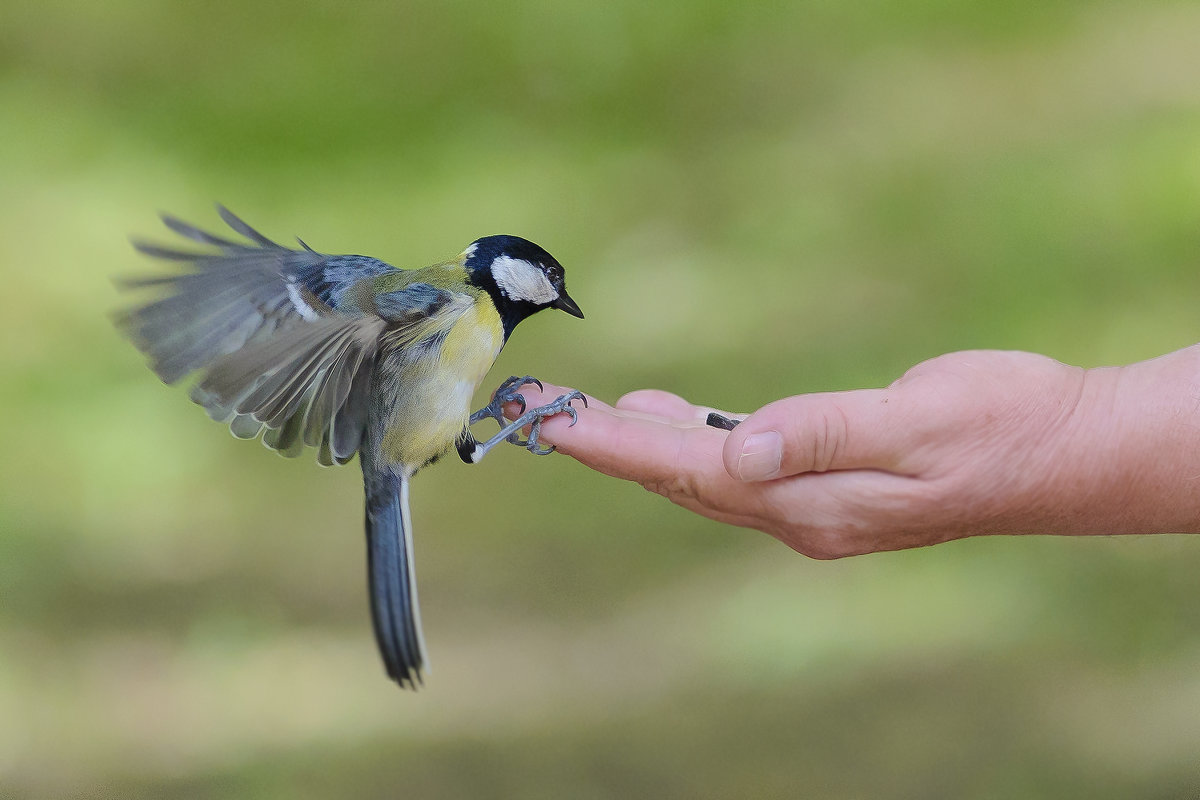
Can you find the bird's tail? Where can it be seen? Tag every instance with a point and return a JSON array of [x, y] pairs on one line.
[[393, 584]]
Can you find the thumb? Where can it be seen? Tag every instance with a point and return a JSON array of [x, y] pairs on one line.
[[817, 433]]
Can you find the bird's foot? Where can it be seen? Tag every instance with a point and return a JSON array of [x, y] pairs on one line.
[[533, 417], [505, 394]]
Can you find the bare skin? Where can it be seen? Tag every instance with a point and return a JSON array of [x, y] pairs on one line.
[[967, 444]]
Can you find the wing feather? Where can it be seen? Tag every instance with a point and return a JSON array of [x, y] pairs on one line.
[[233, 221], [277, 335], [223, 300]]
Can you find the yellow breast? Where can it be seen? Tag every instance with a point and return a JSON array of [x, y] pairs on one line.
[[434, 399]]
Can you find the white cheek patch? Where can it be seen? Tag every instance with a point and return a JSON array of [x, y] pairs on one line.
[[520, 280]]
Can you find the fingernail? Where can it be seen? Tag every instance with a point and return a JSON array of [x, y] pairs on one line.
[[761, 456]]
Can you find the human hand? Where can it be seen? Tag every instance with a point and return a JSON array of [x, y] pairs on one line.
[[970, 443]]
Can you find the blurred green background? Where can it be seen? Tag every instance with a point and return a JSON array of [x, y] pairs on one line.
[[752, 200]]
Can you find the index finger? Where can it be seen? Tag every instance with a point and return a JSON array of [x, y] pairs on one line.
[[666, 404], [664, 454]]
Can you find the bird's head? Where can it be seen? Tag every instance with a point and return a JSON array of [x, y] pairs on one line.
[[521, 277]]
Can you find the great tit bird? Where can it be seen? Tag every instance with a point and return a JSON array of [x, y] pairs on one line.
[[349, 355]]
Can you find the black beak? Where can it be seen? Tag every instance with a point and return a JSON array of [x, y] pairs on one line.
[[565, 303]]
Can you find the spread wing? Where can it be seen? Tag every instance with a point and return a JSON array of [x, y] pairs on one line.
[[240, 294], [278, 334]]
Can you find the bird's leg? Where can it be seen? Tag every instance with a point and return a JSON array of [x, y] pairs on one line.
[[510, 431]]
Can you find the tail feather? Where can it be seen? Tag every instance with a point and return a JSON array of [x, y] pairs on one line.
[[393, 588]]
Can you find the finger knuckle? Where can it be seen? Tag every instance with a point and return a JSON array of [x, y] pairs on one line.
[[830, 441]]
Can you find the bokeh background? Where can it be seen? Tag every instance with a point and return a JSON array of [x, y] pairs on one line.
[[752, 200]]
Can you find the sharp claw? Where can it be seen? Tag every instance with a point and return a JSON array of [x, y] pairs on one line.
[[515, 382], [533, 445], [507, 393]]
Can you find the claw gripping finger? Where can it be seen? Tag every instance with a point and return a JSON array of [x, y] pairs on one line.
[[511, 431]]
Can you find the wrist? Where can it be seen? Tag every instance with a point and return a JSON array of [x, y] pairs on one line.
[[1131, 462]]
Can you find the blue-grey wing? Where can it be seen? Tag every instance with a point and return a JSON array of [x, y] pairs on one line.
[[239, 294], [307, 385], [271, 330], [413, 301]]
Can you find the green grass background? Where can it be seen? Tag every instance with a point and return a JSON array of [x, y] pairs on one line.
[[752, 200]]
